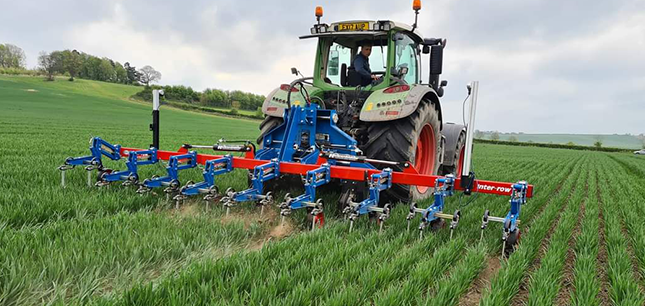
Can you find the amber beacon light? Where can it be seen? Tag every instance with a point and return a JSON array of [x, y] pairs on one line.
[[416, 5]]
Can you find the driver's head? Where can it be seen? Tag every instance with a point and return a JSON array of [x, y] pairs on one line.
[[366, 48]]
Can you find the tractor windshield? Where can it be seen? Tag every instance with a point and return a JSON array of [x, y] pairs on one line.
[[341, 53]]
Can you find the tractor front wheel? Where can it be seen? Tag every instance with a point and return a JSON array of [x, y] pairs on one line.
[[415, 138]]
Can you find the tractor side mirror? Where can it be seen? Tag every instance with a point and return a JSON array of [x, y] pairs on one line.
[[444, 83], [294, 71], [332, 67], [426, 49]]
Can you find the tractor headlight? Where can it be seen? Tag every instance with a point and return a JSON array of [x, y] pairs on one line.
[[334, 118], [313, 30]]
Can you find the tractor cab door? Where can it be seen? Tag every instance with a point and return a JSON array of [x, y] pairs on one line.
[[406, 56], [339, 52]]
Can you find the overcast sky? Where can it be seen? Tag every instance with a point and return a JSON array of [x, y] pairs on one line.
[[567, 66]]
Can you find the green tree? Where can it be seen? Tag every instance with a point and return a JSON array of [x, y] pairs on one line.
[[120, 73], [50, 63], [570, 143], [512, 138], [133, 74], [494, 135], [12, 56], [598, 142], [72, 63]]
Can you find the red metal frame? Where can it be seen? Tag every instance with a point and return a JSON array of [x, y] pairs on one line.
[[409, 176]]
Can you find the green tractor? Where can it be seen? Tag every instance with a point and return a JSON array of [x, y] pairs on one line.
[[396, 116]]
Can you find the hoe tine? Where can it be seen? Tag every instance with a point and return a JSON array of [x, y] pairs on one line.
[[89, 178], [62, 179], [261, 210], [380, 230], [351, 225], [282, 221]]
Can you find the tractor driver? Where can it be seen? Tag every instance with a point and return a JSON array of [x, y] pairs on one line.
[[361, 64]]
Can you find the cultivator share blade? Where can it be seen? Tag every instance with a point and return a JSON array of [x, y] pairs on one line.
[[511, 233], [433, 215], [314, 178]]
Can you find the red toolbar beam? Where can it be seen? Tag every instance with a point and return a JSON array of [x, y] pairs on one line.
[[408, 177]]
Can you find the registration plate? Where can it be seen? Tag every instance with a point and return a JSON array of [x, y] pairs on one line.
[[354, 26]]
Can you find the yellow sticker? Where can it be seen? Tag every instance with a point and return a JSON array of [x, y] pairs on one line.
[[297, 102], [369, 106]]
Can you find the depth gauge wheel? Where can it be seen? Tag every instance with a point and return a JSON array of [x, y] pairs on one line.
[[415, 138], [512, 241]]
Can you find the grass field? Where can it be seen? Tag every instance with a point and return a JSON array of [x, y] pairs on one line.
[[583, 241], [610, 141]]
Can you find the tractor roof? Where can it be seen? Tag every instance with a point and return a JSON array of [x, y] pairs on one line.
[[360, 28]]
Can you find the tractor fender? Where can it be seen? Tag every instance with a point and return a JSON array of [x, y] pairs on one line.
[[382, 106], [452, 132], [276, 102]]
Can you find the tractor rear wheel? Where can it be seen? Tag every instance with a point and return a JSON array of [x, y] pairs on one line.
[[268, 124], [457, 160], [415, 138]]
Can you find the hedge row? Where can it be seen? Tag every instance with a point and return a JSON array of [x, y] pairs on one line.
[[553, 145]]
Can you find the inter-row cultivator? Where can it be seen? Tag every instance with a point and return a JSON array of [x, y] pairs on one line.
[[335, 129]]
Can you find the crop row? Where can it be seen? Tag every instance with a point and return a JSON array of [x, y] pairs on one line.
[[624, 288], [586, 274], [506, 283]]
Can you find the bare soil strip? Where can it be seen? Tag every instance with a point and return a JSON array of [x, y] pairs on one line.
[[602, 252], [474, 293]]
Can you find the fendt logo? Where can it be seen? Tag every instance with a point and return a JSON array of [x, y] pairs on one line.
[[493, 188]]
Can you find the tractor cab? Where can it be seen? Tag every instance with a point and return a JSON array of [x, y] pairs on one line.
[[395, 56]]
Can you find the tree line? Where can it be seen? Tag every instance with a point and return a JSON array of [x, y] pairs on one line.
[[209, 97], [77, 64]]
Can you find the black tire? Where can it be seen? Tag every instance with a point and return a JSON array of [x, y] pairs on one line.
[[512, 242], [454, 167], [397, 141], [268, 124]]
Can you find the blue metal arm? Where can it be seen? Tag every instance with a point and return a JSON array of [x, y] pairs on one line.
[[378, 182], [132, 164], [315, 178], [174, 166], [261, 174], [98, 148], [213, 168], [518, 197]]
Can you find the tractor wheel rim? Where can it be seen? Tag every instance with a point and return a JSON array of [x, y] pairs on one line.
[[426, 153]]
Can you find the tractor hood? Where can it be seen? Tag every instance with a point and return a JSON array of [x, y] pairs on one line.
[[276, 101]]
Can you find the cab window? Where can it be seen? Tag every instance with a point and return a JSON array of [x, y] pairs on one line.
[[338, 55], [406, 56]]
